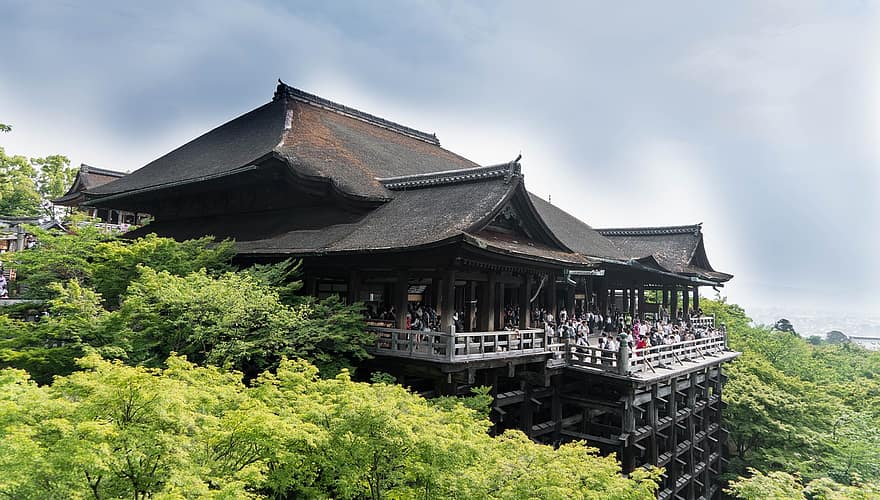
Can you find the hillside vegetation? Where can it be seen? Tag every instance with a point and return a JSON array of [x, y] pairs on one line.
[[160, 370]]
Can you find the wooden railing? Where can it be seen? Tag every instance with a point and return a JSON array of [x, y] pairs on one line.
[[645, 361], [458, 346], [471, 346]]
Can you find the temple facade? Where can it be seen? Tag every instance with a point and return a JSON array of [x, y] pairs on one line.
[[381, 214]]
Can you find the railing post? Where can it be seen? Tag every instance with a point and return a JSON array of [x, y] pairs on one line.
[[623, 367], [724, 335], [450, 343], [567, 351]]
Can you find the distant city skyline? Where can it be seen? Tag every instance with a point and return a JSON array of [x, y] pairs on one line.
[[758, 119]]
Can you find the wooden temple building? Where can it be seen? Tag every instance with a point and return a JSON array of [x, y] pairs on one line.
[[381, 214], [89, 177]]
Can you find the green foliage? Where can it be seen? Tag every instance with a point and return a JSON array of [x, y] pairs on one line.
[[26, 182], [800, 408], [115, 431], [116, 261], [101, 260], [58, 258], [284, 276], [776, 485], [780, 485], [233, 320]]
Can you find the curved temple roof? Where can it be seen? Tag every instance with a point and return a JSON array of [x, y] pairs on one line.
[[419, 193], [677, 249]]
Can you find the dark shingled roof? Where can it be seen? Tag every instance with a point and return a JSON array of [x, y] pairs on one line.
[[419, 194], [677, 248], [315, 136], [414, 218], [235, 144], [87, 177], [574, 233]]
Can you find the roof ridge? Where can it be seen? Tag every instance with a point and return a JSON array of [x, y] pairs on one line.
[[415, 181], [86, 168], [649, 231], [284, 90]]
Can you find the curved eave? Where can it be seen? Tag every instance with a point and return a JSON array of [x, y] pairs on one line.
[[263, 161]]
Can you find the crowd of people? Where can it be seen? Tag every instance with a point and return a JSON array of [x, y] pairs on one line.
[[583, 328]]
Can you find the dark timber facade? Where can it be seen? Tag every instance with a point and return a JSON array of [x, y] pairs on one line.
[[381, 214]]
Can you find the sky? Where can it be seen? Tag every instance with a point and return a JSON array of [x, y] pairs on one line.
[[758, 119]]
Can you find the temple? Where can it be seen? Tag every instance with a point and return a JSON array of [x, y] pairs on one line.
[[382, 214], [89, 177]]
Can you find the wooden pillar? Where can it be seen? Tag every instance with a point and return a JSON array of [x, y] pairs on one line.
[[632, 302], [401, 297], [652, 418], [471, 304], [354, 286], [524, 304], [673, 306], [484, 309], [685, 304], [608, 303], [551, 292], [437, 292], [448, 306], [696, 298], [672, 468], [665, 302], [642, 303], [490, 305], [311, 285]]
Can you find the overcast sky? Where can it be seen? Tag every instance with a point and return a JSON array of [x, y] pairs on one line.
[[759, 119]]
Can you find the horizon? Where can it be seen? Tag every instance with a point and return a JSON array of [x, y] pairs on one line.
[[747, 120]]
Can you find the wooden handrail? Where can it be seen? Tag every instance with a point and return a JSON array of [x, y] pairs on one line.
[[455, 346]]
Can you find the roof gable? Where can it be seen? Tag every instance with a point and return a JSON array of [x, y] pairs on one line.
[[576, 234]]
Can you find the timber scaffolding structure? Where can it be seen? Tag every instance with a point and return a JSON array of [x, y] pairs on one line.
[[656, 406], [380, 214]]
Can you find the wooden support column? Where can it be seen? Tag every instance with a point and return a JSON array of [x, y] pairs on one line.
[[665, 302], [471, 305], [696, 298], [448, 298], [437, 292], [673, 306], [632, 302], [629, 427], [491, 303], [608, 303], [524, 304], [401, 297], [311, 285], [652, 419], [551, 292], [685, 305], [691, 432], [354, 286], [672, 440], [642, 303]]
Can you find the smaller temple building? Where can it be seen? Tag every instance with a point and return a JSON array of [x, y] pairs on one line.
[[89, 177]]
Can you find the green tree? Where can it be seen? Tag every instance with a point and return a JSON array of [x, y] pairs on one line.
[[25, 183], [235, 320], [776, 485], [185, 431]]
